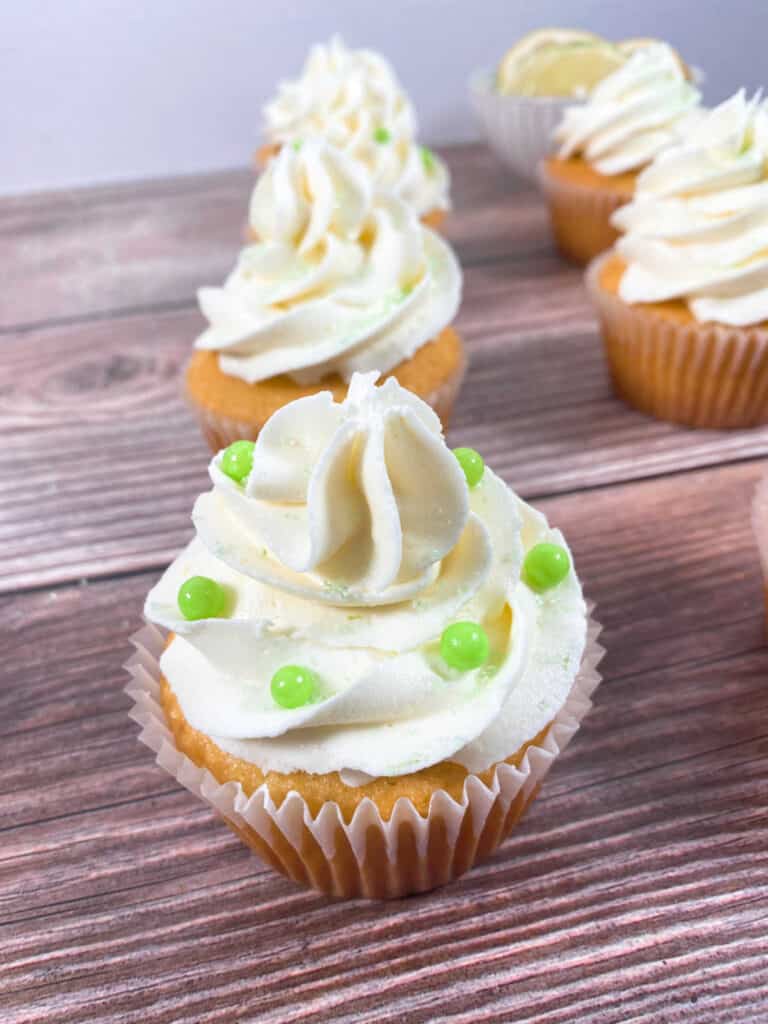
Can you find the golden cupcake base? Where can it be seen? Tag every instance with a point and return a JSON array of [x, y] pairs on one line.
[[264, 154], [581, 202], [229, 408], [389, 838], [376, 871]]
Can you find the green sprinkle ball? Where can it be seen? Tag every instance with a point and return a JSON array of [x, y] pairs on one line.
[[472, 464], [464, 646], [382, 135], [545, 566], [428, 159], [200, 597], [237, 460], [293, 686], [297, 144]]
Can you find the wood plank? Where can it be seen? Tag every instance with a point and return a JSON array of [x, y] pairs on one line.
[[98, 252], [636, 889], [101, 460]]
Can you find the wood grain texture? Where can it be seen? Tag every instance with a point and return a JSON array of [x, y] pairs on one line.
[[106, 251], [636, 890], [124, 459], [637, 884]]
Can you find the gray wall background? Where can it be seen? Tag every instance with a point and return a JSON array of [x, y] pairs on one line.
[[108, 90]]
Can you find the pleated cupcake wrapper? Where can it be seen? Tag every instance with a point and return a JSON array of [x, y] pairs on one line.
[[697, 374], [580, 216], [518, 128], [369, 856], [220, 431]]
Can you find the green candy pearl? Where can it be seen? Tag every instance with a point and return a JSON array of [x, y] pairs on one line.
[[464, 646], [293, 686], [382, 135], [237, 460], [297, 144], [545, 566], [472, 464], [201, 598], [428, 159]]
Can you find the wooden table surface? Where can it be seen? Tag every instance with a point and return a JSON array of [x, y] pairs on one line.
[[636, 889]]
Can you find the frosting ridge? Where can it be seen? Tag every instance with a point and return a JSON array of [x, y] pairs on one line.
[[343, 277], [631, 115], [352, 98], [698, 227], [350, 547]]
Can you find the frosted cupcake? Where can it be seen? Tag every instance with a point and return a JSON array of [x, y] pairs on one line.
[[683, 297], [376, 649], [352, 98], [631, 116], [343, 277]]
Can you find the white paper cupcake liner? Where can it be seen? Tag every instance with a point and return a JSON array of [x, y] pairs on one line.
[[518, 128], [368, 856]]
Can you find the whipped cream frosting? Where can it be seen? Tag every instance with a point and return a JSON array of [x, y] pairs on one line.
[[353, 99], [353, 543], [698, 227], [343, 277], [633, 114]]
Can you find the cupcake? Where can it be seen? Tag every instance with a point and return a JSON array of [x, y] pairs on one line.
[[375, 649], [631, 116], [343, 277], [683, 296], [353, 99]]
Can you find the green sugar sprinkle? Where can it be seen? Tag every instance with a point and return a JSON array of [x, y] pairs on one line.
[[382, 135]]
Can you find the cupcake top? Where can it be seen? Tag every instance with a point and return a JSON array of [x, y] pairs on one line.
[[353, 99], [697, 228], [343, 277], [633, 114], [358, 597]]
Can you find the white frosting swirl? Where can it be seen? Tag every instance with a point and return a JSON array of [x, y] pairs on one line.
[[353, 99], [632, 115], [352, 545], [698, 227], [343, 278]]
